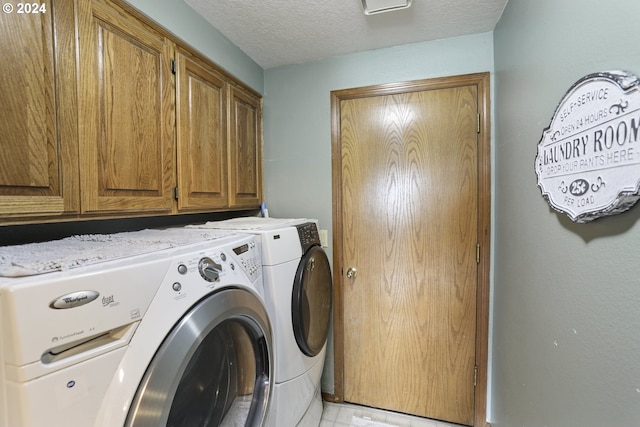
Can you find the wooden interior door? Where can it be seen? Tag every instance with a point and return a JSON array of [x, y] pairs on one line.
[[409, 228]]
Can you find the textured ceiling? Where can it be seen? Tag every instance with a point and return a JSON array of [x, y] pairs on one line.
[[281, 32]]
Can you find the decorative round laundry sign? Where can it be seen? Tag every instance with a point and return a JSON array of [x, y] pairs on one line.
[[588, 161]]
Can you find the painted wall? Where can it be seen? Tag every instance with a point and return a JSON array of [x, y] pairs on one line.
[[179, 18], [297, 122], [566, 325]]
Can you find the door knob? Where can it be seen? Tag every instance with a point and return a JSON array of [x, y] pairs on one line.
[[352, 272]]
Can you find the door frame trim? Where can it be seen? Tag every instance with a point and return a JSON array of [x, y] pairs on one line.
[[481, 81]]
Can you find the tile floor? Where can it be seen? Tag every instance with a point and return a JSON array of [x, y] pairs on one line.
[[340, 415]]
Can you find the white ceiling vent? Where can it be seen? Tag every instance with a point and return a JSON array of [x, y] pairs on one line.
[[378, 6]]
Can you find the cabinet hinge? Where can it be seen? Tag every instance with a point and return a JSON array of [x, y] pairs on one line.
[[477, 253], [475, 376], [478, 123], [173, 68], [175, 193]]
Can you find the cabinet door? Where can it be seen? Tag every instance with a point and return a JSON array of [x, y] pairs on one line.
[[202, 136], [127, 113], [245, 149], [38, 130]]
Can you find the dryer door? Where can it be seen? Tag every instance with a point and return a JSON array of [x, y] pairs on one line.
[[311, 301], [214, 368]]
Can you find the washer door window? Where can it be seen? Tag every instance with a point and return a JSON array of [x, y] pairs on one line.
[[213, 369], [311, 301]]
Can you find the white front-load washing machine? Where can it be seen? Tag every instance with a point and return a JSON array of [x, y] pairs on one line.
[[177, 337], [298, 292]]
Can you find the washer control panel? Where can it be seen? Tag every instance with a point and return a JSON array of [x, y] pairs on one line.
[[216, 265], [250, 259]]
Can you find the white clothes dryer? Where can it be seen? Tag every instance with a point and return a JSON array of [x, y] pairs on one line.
[[298, 293], [177, 337]]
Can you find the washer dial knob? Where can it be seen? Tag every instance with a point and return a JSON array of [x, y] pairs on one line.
[[209, 269]]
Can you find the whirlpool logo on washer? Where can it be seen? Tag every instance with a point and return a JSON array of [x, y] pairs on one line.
[[80, 298], [74, 299]]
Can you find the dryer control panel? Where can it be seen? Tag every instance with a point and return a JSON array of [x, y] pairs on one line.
[[309, 235]]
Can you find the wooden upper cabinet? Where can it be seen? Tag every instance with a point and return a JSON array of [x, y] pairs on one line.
[[127, 116], [245, 149], [105, 114], [201, 98], [38, 129]]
